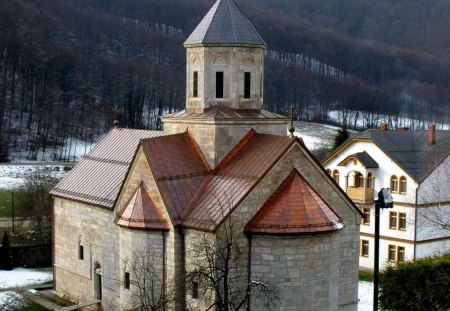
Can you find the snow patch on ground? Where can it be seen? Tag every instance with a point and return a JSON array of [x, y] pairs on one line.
[[365, 295], [13, 176], [23, 277]]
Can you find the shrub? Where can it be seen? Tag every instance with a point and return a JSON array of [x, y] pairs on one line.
[[422, 284]]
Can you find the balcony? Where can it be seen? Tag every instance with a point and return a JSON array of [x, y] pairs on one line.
[[360, 195]]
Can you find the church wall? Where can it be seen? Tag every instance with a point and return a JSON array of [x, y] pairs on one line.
[[233, 62], [348, 238], [217, 138], [302, 270], [92, 227]]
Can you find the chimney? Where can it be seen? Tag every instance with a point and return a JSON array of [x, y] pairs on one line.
[[431, 133], [384, 126]]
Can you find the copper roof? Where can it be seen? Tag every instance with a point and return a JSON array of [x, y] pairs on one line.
[[234, 178], [140, 212], [223, 112], [179, 168], [97, 178], [294, 208]]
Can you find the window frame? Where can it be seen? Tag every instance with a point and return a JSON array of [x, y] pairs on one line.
[[336, 176], [366, 212], [127, 280], [401, 253], [247, 85], [364, 251], [392, 253], [220, 84], [195, 84], [393, 225], [401, 221], [402, 185], [394, 184]]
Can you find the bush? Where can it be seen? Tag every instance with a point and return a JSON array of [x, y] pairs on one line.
[[422, 284]]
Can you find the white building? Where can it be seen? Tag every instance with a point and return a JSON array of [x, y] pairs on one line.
[[415, 165]]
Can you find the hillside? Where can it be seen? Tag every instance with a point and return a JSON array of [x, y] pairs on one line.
[[65, 64]]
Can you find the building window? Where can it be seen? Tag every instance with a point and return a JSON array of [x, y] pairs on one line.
[[127, 281], [364, 248], [402, 221], [336, 176], [394, 183], [359, 180], [219, 84], [403, 185], [195, 290], [329, 171], [366, 218], [392, 256], [195, 84], [80, 252], [400, 254], [393, 220], [369, 181], [247, 85]]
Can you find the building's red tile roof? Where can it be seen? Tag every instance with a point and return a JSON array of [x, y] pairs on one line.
[[179, 168], [234, 178], [97, 179], [140, 212], [294, 208]]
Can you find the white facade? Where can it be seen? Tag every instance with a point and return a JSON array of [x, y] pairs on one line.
[[403, 231]]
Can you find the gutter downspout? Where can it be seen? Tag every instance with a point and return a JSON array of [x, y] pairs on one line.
[[164, 269], [415, 223]]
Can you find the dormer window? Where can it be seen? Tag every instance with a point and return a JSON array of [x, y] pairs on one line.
[[219, 84], [247, 85]]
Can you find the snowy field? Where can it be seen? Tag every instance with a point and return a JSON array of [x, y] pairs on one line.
[[15, 175], [20, 277]]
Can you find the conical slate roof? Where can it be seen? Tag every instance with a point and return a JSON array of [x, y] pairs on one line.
[[295, 208], [225, 24]]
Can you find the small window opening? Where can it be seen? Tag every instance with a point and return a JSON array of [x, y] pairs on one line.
[[195, 84], [195, 290], [247, 85], [80, 252], [219, 84], [127, 280]]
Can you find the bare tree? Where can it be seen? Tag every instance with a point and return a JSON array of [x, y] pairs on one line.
[[218, 268], [149, 291]]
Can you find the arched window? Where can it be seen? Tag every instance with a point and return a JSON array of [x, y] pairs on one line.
[[369, 181], [359, 180], [394, 183], [403, 185], [336, 176]]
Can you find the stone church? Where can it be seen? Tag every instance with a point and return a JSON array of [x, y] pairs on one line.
[[223, 159]]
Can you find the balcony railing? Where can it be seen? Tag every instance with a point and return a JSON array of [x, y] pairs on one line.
[[360, 195]]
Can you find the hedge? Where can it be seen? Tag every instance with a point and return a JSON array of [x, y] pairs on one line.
[[422, 284]]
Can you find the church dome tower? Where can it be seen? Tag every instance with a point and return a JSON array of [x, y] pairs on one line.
[[224, 84], [225, 61]]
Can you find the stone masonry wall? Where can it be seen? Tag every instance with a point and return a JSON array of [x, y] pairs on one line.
[[216, 138], [233, 62]]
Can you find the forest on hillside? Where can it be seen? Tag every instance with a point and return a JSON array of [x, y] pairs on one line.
[[65, 64]]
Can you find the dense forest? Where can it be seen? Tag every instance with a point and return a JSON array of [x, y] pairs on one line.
[[65, 64]]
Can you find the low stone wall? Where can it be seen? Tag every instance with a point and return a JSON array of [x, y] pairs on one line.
[[31, 255]]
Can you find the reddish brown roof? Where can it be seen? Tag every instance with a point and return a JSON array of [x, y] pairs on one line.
[[179, 168], [97, 178], [140, 212], [223, 112], [234, 178], [294, 208]]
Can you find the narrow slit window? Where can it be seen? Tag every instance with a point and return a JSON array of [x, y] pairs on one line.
[[195, 290], [247, 85], [80, 252], [219, 84], [127, 280], [195, 84]]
